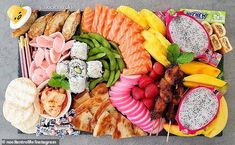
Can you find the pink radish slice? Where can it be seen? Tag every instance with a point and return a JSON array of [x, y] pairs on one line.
[[47, 56], [39, 56], [143, 118], [120, 103], [66, 56], [130, 79], [32, 68], [138, 110], [122, 85], [42, 42], [57, 34], [44, 65], [136, 118], [55, 57], [39, 76], [51, 68], [117, 89], [129, 107], [58, 44], [122, 98], [118, 94], [68, 45]]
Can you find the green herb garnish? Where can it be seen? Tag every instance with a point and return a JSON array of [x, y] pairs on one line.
[[176, 57], [58, 81]]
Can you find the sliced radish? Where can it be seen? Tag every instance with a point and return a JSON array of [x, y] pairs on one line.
[[58, 45], [133, 79], [57, 34], [118, 94], [54, 56], [39, 56], [51, 68], [68, 45]]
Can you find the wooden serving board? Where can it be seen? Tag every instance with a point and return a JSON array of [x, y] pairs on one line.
[[162, 133]]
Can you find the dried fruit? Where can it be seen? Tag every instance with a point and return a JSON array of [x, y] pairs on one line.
[[215, 42], [208, 27], [226, 46], [219, 29], [138, 93]]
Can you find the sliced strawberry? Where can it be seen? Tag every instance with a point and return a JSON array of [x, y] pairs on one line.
[[149, 103], [144, 81], [151, 91], [138, 93], [158, 68]]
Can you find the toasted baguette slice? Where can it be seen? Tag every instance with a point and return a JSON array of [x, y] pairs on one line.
[[219, 29], [215, 42], [226, 46]]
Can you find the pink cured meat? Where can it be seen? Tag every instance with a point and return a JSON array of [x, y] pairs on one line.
[[58, 45], [39, 76], [33, 42], [47, 56], [32, 68], [44, 41], [68, 45], [39, 57], [50, 69], [54, 56], [57, 34], [44, 65], [65, 56]]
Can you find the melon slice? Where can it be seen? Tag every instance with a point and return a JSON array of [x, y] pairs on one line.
[[198, 108]]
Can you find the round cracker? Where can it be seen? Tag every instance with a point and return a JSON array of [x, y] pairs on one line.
[[16, 114], [21, 91]]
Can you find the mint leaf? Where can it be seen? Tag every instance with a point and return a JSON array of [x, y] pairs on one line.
[[54, 83], [173, 53], [65, 84], [58, 81], [185, 57]]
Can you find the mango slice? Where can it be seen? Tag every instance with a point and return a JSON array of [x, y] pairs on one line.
[[134, 15], [220, 122], [196, 67], [206, 80], [154, 21]]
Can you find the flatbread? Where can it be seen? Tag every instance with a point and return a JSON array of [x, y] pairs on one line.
[[82, 120], [22, 92]]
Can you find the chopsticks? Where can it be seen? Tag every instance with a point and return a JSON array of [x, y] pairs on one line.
[[25, 55]]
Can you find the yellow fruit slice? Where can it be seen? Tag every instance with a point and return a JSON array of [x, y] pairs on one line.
[[155, 51], [220, 122], [154, 21], [196, 67], [205, 79], [159, 36], [174, 129], [134, 15]]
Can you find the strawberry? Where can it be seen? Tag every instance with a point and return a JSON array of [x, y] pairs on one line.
[[144, 81], [149, 103], [158, 68], [151, 91], [137, 93]]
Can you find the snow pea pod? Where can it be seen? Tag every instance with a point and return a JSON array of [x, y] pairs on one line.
[[87, 41], [100, 39], [110, 57], [93, 83], [97, 56], [111, 78]]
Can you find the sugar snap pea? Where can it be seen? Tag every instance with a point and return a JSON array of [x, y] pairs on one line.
[[87, 41], [116, 77], [97, 56], [111, 78], [110, 57], [93, 83], [100, 39]]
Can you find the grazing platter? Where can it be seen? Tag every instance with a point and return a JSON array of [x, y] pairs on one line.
[[118, 72]]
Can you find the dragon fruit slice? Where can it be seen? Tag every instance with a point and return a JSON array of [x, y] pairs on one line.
[[198, 108], [188, 33]]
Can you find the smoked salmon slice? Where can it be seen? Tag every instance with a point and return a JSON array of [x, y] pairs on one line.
[[87, 19], [108, 22], [98, 9], [123, 28], [102, 19], [136, 71], [134, 57], [134, 29], [116, 26], [133, 49]]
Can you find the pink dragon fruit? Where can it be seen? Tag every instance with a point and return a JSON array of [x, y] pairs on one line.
[[198, 108], [188, 33]]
